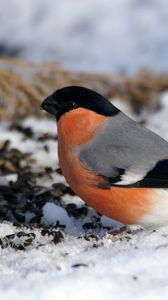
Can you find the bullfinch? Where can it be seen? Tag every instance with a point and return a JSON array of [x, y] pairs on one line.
[[116, 165]]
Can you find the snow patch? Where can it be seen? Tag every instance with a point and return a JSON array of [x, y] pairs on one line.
[[4, 180], [54, 213]]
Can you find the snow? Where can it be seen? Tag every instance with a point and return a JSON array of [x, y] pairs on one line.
[[108, 222], [53, 213], [4, 180], [137, 265], [158, 121], [92, 35], [125, 266]]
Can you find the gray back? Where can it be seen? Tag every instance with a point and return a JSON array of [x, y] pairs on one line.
[[123, 143]]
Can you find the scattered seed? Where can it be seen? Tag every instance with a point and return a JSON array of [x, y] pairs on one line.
[[91, 237], [79, 265]]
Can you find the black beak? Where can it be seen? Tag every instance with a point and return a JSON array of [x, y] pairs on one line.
[[50, 105]]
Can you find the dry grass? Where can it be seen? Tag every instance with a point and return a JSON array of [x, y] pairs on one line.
[[24, 85]]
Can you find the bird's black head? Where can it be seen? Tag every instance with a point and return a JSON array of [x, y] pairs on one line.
[[73, 97]]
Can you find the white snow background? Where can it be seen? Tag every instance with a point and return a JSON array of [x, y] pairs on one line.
[[93, 35], [126, 266]]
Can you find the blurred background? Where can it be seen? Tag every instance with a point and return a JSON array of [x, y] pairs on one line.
[[109, 36]]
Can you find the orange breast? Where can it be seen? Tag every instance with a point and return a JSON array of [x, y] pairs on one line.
[[127, 205]]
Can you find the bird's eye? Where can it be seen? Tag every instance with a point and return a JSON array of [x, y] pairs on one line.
[[70, 105], [74, 104]]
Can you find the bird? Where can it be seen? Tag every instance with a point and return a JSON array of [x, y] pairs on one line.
[[116, 165]]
